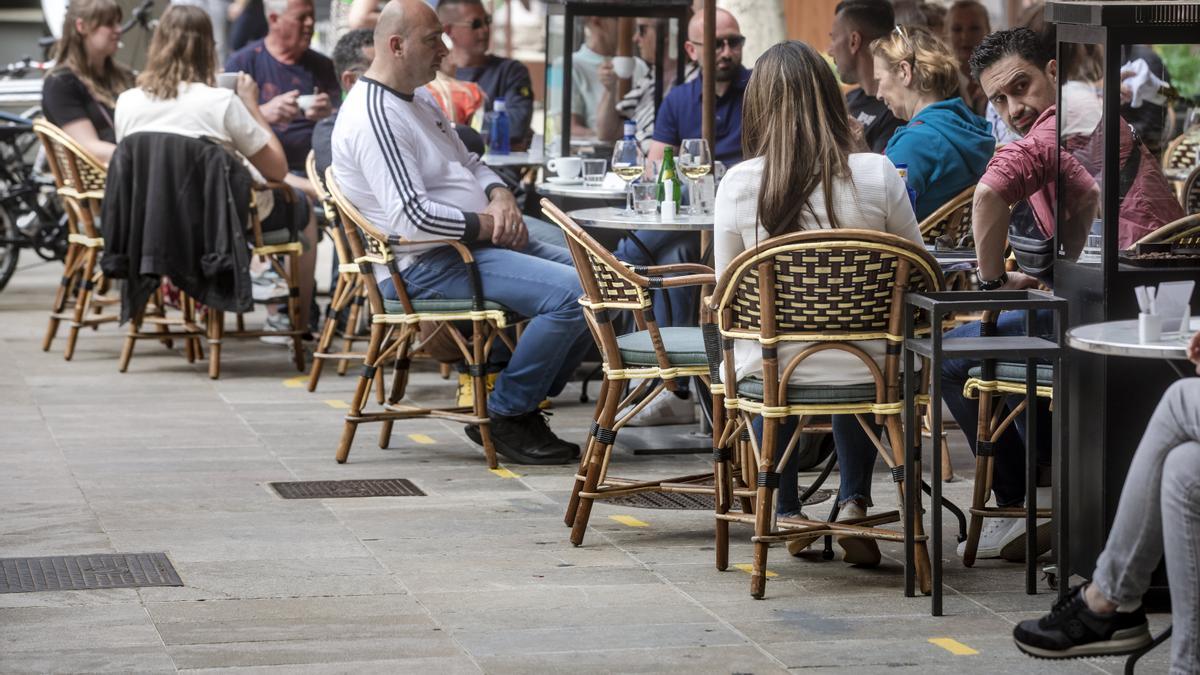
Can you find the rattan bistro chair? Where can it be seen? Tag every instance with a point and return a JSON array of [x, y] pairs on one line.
[[79, 178], [656, 357], [950, 225], [1184, 232], [992, 383], [1182, 156], [395, 328], [348, 296], [827, 288]]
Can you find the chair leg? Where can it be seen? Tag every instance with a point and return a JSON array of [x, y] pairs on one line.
[[62, 294], [607, 388], [399, 383], [327, 331], [360, 393], [765, 503], [216, 331], [591, 480], [127, 349], [81, 301], [293, 277], [921, 556], [479, 395], [979, 496], [352, 318]]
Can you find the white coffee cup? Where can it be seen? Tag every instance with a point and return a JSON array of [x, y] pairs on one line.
[[306, 101], [566, 167], [1149, 328], [228, 80], [623, 66]]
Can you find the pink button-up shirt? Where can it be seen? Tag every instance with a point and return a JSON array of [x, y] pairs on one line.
[[1029, 169]]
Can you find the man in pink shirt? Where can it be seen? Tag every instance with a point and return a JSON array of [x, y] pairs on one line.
[[1019, 77]]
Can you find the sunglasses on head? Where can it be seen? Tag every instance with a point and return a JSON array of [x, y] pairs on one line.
[[477, 23], [736, 42], [899, 30]]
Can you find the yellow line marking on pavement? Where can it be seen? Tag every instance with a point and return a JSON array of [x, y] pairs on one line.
[[749, 569], [629, 521], [422, 439], [953, 646], [504, 473], [296, 382], [334, 403]]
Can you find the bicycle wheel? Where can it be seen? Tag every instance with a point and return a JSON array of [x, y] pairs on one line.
[[9, 248]]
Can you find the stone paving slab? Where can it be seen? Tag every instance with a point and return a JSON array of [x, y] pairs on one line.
[[479, 576]]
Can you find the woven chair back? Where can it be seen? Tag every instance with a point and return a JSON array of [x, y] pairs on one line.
[[337, 232], [74, 168], [824, 285], [950, 225], [608, 282], [368, 246], [1189, 197], [1183, 153]]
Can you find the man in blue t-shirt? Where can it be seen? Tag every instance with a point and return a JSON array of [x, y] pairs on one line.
[[285, 69], [681, 116]]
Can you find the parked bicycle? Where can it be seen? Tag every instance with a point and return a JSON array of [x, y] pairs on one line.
[[30, 214]]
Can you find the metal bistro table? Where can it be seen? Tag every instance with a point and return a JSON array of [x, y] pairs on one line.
[[519, 160], [1120, 338], [580, 191]]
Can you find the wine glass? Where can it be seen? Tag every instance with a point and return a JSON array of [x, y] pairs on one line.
[[695, 162], [627, 159]]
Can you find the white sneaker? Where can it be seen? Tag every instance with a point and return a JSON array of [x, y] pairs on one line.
[[666, 408], [267, 286], [1005, 538], [275, 323]]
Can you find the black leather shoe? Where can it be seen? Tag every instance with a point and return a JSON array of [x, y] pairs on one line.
[[525, 439]]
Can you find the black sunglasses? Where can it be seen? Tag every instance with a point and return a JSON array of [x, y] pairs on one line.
[[477, 23], [736, 42]]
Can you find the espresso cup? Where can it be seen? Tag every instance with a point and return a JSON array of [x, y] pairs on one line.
[[565, 167], [306, 101], [623, 66]]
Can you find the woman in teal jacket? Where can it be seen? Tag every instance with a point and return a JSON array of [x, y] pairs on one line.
[[944, 144]]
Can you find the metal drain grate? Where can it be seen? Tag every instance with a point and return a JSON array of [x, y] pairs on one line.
[[688, 501], [86, 572], [335, 489]]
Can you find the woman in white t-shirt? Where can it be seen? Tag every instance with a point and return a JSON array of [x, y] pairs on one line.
[[802, 176], [175, 96]]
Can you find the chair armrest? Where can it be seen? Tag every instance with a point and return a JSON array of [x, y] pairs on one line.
[[677, 268], [689, 280], [463, 251]]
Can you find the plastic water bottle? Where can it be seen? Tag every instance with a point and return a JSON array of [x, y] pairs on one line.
[[499, 141], [912, 194]]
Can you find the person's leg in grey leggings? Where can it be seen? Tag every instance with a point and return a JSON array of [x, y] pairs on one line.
[[1159, 513]]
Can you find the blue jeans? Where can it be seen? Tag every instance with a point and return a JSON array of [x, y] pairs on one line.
[[855, 457], [539, 283], [667, 248], [1008, 463]]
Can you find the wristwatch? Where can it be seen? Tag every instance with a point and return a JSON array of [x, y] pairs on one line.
[[991, 284]]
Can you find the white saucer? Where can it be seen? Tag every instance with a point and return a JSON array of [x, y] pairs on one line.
[[559, 180]]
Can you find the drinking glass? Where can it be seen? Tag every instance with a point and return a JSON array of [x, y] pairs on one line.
[[627, 159], [695, 162], [594, 171], [645, 199]]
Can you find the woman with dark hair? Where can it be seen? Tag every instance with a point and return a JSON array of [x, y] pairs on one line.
[[945, 146], [79, 94], [802, 175], [175, 95]]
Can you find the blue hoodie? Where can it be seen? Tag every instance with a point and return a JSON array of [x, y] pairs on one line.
[[946, 148]]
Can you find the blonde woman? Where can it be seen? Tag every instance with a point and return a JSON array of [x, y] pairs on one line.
[[175, 95], [801, 175], [944, 144], [79, 94]]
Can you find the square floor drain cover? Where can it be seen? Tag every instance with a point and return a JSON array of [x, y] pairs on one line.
[[86, 572], [334, 489]]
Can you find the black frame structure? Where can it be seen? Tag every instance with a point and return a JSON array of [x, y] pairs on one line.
[[663, 10], [1112, 398]]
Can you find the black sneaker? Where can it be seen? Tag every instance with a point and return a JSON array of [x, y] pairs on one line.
[[1071, 630], [526, 439]]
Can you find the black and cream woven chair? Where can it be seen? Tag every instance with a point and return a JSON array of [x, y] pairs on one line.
[[1189, 195], [992, 383], [656, 358], [950, 225], [828, 289], [348, 296], [79, 178], [1181, 158], [395, 328]]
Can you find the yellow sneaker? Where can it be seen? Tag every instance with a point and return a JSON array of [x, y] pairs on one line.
[[466, 388]]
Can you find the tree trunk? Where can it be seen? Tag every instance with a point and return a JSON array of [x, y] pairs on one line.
[[762, 23]]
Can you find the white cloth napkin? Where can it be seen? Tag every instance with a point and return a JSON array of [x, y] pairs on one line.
[[1142, 84]]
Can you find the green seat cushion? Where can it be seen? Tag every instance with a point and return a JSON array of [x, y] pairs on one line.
[[1015, 372], [684, 345], [752, 388], [441, 305]]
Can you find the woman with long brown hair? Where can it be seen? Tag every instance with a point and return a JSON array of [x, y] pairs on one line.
[[802, 175], [79, 94], [175, 95]]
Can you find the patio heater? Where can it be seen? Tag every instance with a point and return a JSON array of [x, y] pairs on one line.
[[1111, 398], [565, 34]]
